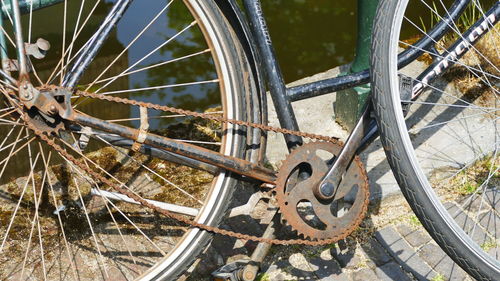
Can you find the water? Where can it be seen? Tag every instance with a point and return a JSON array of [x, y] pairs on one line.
[[311, 36]]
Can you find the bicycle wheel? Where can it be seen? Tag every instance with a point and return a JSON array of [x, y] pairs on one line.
[[58, 222], [444, 154]]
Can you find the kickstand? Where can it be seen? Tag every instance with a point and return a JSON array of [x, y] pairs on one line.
[[246, 270], [251, 269]]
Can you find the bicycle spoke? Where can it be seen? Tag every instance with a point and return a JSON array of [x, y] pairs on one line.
[[60, 63], [161, 87], [131, 43], [153, 172], [150, 53], [65, 14], [483, 109], [69, 223], [152, 66], [11, 222], [474, 5], [73, 38], [159, 117], [96, 243], [46, 163], [36, 200], [456, 31], [30, 23], [90, 180]]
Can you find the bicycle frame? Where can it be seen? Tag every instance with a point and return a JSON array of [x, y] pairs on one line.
[[263, 53]]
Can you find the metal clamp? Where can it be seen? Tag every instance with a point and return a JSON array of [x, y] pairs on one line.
[[143, 130]]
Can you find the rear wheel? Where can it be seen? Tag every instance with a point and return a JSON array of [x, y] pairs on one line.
[[58, 222], [444, 154]]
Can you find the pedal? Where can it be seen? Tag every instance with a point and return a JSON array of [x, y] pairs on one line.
[[406, 92], [231, 271]]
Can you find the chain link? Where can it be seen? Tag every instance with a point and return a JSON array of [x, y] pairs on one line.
[[119, 188]]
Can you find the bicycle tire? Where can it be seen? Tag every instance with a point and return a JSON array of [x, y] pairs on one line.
[[239, 100], [432, 198]]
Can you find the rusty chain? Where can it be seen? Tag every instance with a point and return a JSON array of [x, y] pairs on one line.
[[182, 218]]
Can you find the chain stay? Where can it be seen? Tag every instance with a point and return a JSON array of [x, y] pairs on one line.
[[182, 218]]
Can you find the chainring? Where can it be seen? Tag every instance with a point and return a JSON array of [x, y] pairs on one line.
[[309, 216]]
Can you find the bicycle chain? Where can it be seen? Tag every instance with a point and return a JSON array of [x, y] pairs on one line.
[[182, 218], [207, 116]]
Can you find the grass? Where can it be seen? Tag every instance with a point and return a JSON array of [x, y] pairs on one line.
[[483, 56], [438, 277], [469, 180], [263, 277], [414, 221], [489, 244]]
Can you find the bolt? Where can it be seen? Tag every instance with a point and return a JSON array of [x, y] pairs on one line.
[[327, 189], [27, 95], [53, 110]]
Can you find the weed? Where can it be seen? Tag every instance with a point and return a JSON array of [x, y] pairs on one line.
[[438, 277], [263, 277], [489, 244], [414, 221]]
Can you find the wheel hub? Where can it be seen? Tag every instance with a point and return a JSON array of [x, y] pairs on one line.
[[46, 107]]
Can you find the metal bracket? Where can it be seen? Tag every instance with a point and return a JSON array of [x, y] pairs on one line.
[[38, 49]]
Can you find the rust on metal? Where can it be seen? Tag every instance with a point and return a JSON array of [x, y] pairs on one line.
[[220, 160], [250, 168], [294, 191]]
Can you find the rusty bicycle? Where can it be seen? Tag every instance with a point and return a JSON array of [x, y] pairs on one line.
[[127, 126]]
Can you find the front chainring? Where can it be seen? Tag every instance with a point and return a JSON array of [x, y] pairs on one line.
[[312, 217]]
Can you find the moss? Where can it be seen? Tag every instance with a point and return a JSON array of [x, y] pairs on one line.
[[188, 179]]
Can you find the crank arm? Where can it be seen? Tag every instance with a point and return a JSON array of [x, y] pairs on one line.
[[364, 129], [229, 163]]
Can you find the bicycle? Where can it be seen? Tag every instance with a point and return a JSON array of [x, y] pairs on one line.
[[107, 192]]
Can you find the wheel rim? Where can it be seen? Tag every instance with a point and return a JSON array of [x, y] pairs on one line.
[[211, 197], [430, 153]]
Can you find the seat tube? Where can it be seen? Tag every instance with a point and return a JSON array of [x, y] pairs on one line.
[[276, 83]]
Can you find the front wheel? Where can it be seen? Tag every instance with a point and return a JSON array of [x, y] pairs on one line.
[[444, 153]]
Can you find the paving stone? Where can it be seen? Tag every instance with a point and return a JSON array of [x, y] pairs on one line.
[[391, 271], [328, 270], [493, 199], [404, 229], [418, 238], [349, 260], [472, 204], [466, 223], [376, 253], [341, 277], [404, 254], [491, 222], [364, 274], [284, 270], [441, 263], [325, 268]]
